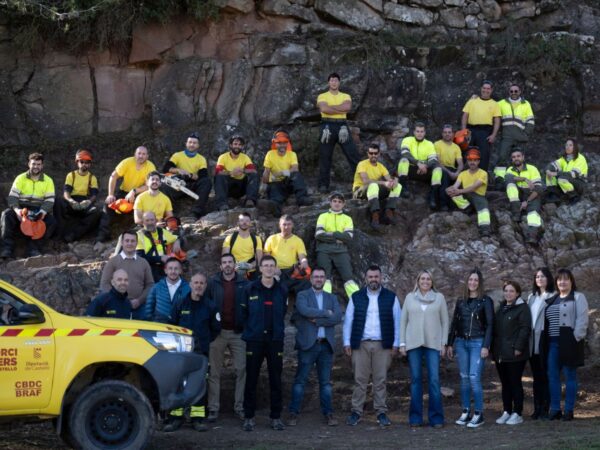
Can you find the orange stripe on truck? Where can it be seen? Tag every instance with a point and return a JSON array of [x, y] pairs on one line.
[[70, 332]]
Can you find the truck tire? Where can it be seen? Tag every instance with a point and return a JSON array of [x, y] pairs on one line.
[[111, 414]]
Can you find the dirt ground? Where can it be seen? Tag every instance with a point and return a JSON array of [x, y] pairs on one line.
[[312, 433]]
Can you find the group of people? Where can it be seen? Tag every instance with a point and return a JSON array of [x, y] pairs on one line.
[[246, 315]]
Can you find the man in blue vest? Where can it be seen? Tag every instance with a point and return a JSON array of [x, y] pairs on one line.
[[371, 338], [317, 313]]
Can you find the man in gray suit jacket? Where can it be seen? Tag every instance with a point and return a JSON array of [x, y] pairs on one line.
[[316, 315]]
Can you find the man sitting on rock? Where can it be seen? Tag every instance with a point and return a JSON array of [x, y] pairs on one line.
[[190, 166], [373, 182], [470, 189], [75, 211], [524, 190], [245, 246], [281, 177], [451, 162], [152, 200], [334, 233], [31, 199], [235, 176], [133, 171], [153, 244], [113, 303], [290, 253], [419, 161]]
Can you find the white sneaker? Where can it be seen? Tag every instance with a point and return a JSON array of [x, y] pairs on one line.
[[514, 419], [464, 418], [476, 421], [503, 418]]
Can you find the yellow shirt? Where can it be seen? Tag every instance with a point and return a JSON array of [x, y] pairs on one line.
[[447, 153], [158, 204], [243, 249], [467, 178], [82, 185], [333, 100], [277, 163], [145, 244], [285, 251], [192, 165], [374, 173], [133, 178], [482, 112], [226, 162]]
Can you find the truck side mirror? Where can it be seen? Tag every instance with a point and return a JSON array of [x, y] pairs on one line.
[[30, 314]]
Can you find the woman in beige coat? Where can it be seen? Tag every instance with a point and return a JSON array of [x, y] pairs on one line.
[[423, 336]]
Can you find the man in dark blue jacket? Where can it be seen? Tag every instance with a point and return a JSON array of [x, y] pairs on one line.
[[263, 311], [113, 303], [317, 313], [166, 292], [199, 313], [227, 289]]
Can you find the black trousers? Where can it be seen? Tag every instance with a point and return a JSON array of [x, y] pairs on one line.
[[479, 135], [445, 199], [326, 151], [11, 230], [293, 285], [511, 374], [256, 352], [541, 390], [75, 224], [226, 186], [108, 217], [279, 191], [201, 187]]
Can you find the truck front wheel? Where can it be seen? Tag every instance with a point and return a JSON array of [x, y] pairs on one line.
[[111, 414]]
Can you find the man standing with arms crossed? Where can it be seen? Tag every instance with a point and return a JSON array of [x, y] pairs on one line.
[[334, 105], [317, 314]]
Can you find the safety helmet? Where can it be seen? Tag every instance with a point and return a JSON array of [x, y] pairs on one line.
[[239, 137], [300, 274], [121, 206], [83, 155], [337, 194], [473, 154], [462, 138], [281, 136]]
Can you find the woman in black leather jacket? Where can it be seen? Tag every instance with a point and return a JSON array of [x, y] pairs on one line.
[[471, 336]]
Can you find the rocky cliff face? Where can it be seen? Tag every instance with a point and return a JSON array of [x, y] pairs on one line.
[[261, 65]]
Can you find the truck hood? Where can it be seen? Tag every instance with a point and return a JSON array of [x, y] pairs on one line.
[[125, 324]]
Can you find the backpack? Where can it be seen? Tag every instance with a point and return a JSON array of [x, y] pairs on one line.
[[234, 237]]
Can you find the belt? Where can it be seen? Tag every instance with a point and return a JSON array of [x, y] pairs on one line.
[[322, 341], [480, 127], [327, 119]]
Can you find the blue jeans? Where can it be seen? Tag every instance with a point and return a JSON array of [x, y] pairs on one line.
[[435, 409], [470, 366], [570, 373], [320, 354]]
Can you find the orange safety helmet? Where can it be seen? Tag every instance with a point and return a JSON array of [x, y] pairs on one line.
[[300, 274], [281, 136], [173, 223], [83, 155], [35, 229], [462, 138], [121, 206], [473, 153]]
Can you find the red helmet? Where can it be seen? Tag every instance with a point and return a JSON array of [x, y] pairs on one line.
[[473, 153], [83, 155], [462, 138], [281, 136]]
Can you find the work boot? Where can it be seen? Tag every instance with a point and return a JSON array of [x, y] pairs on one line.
[[485, 231], [515, 211], [172, 424], [531, 236], [32, 249], [375, 221], [390, 217], [434, 194], [405, 193], [199, 425]]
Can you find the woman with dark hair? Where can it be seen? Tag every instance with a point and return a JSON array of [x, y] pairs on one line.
[[564, 333], [471, 336], [567, 175], [543, 288], [512, 327], [423, 336]]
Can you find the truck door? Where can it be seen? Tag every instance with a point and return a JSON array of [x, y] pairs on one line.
[[26, 355]]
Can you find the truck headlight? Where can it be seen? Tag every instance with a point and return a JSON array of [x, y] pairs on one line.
[[169, 342]]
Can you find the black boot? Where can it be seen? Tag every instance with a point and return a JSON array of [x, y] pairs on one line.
[[405, 193], [434, 195]]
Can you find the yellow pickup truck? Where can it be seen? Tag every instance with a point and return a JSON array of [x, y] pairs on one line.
[[102, 381]]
